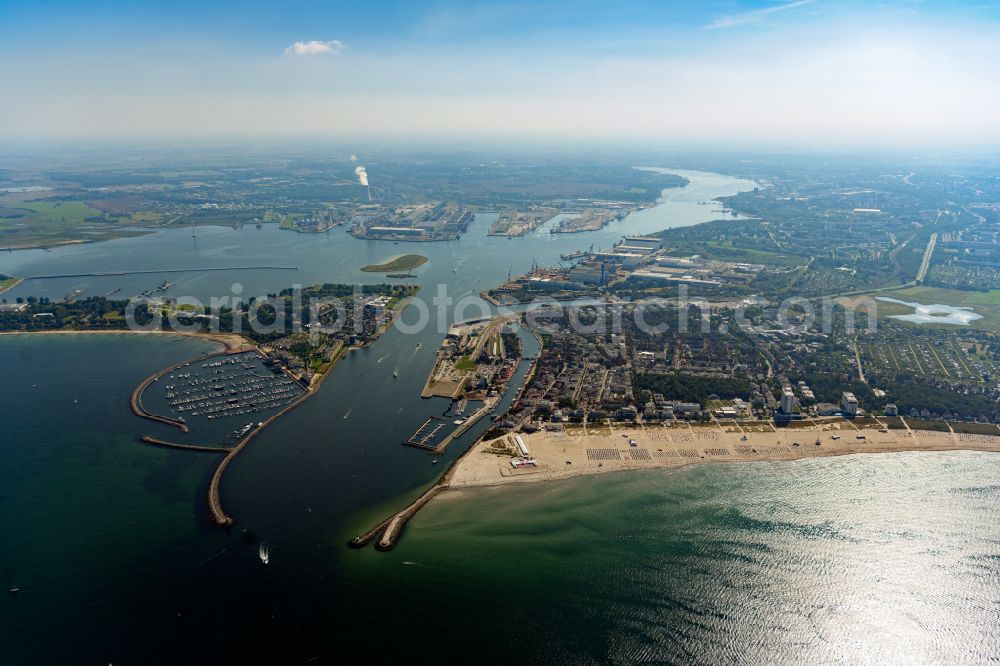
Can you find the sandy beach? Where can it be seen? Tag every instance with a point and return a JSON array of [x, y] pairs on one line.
[[232, 342], [562, 455]]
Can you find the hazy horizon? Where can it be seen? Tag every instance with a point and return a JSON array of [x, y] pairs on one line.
[[805, 72]]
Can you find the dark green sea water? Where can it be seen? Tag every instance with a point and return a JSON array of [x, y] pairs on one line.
[[889, 558], [880, 558]]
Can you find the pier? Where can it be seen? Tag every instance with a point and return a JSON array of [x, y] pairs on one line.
[[232, 385], [146, 439], [212, 395], [395, 525], [468, 423], [234, 346], [389, 530], [363, 540], [426, 433], [218, 514]]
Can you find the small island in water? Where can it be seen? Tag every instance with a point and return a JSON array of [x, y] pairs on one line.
[[403, 262]]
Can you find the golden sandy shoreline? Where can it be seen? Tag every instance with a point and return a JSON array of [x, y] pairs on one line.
[[231, 341], [567, 455]]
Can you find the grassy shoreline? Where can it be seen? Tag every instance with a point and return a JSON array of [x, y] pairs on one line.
[[9, 283]]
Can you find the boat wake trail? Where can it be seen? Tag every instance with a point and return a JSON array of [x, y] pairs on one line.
[[211, 557]]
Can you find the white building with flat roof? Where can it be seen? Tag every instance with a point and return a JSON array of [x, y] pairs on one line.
[[849, 404], [787, 400], [378, 305]]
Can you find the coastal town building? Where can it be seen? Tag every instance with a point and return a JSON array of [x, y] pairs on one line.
[[788, 401], [849, 404]]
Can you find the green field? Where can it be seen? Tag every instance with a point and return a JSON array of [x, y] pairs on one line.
[[7, 282], [986, 303], [47, 223], [726, 251], [403, 262], [59, 211], [144, 217], [949, 296]]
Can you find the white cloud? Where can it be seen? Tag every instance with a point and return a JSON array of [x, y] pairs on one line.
[[755, 15], [316, 47], [869, 78]]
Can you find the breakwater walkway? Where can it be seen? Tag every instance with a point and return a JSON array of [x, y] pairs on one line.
[[218, 514], [135, 401], [146, 439], [233, 344], [389, 530]]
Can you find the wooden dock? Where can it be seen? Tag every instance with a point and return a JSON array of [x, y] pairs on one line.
[[468, 423], [427, 431]]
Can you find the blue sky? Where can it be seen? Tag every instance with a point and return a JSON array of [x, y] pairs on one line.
[[787, 71]]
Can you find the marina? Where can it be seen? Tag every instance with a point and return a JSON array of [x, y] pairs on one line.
[[227, 386], [155, 290], [327, 325], [343, 468], [426, 433]]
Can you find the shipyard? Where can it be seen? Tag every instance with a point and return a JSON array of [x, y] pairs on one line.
[[416, 222]]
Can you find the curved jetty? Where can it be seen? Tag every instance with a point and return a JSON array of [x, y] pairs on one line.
[[233, 344], [219, 516], [135, 401]]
